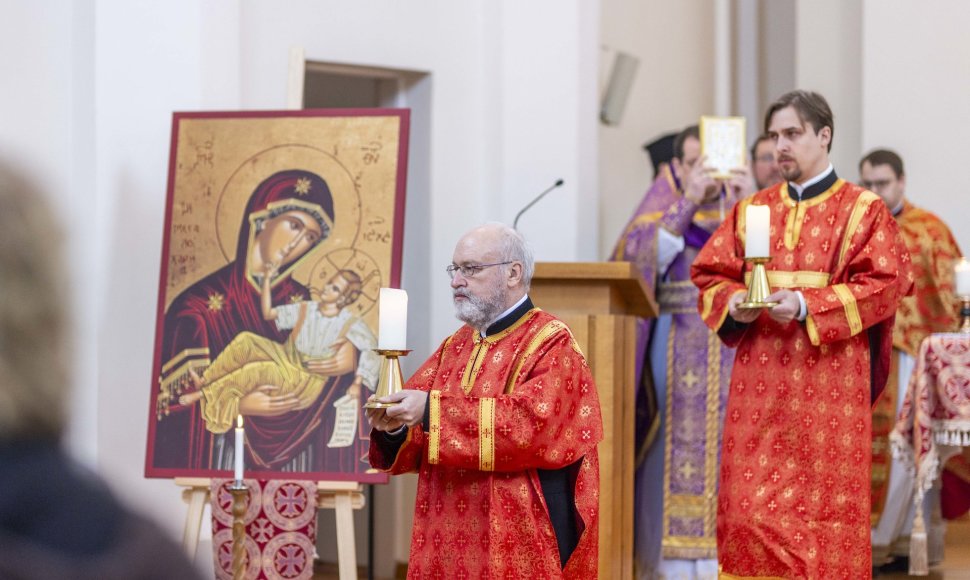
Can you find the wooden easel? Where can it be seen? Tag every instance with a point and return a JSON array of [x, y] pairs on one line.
[[341, 496]]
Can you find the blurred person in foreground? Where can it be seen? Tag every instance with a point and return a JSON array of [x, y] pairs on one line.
[[57, 520]]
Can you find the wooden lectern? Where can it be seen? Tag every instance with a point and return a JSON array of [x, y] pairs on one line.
[[600, 302]]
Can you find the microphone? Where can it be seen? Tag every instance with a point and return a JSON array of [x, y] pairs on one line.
[[515, 222]]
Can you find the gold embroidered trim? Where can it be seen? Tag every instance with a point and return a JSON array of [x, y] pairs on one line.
[[795, 220], [482, 347], [183, 372], [546, 332], [486, 434], [204, 351], [475, 362], [797, 279], [818, 199], [434, 427], [709, 295], [862, 204], [848, 301], [742, 225], [713, 424], [812, 330]]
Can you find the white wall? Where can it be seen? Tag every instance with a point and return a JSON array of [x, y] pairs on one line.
[[915, 95], [46, 120], [674, 86], [828, 59]]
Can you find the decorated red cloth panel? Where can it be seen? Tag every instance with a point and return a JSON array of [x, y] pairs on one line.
[[281, 529], [934, 423]]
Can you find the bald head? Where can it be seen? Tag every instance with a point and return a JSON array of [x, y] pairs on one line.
[[495, 267]]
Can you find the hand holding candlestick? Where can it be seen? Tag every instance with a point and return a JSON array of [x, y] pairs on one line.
[[756, 252], [391, 344]]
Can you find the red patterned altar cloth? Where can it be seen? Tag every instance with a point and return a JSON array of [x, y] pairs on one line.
[[934, 423], [281, 529]]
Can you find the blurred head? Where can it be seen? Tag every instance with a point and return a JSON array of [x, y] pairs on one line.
[[763, 165], [491, 270], [801, 125], [881, 172], [33, 325]]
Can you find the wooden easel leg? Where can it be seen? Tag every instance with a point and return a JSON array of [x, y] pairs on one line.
[[193, 520], [346, 546]]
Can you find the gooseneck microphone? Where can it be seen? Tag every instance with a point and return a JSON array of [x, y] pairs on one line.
[[533, 202]]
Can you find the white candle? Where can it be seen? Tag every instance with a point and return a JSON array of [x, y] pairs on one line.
[[757, 225], [961, 277], [240, 451], [393, 319]]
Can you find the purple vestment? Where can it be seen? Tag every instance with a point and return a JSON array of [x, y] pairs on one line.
[[695, 384]]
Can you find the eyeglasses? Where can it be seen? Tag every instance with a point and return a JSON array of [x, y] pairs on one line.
[[469, 270]]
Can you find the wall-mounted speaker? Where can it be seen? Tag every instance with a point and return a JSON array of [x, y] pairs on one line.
[[622, 73]]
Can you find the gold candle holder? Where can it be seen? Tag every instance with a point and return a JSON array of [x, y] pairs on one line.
[[964, 314], [390, 380], [240, 493], [758, 287]]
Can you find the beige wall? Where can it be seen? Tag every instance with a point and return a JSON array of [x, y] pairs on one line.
[[916, 99], [674, 86]]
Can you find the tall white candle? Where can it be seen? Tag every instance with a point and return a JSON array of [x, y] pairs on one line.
[[393, 319], [240, 450], [757, 225], [961, 277]]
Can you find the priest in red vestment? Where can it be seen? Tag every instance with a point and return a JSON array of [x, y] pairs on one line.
[[501, 423], [932, 308], [794, 488]]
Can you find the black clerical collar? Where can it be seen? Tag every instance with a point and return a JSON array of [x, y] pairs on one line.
[[815, 189], [510, 318]]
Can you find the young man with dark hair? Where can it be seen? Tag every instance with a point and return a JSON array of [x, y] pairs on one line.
[[796, 454]]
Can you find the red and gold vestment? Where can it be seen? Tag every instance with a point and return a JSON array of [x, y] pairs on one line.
[[500, 408], [794, 489], [931, 308]]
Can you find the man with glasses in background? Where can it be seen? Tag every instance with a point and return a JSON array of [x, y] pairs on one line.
[[501, 423], [932, 308], [763, 163]]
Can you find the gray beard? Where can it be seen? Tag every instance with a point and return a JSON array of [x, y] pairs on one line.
[[477, 311]]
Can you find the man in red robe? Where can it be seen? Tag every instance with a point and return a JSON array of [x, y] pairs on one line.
[[501, 423], [932, 308], [794, 499]]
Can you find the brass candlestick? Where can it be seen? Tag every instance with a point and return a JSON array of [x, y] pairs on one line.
[[390, 380], [964, 314], [240, 493], [758, 288]]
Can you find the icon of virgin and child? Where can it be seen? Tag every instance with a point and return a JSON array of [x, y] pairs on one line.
[[250, 340]]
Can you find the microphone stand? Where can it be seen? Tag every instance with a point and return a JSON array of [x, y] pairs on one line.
[[533, 202]]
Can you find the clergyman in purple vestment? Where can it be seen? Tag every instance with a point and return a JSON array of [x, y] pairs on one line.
[[682, 363]]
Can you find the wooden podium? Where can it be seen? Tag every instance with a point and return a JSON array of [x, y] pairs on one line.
[[600, 302]]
